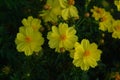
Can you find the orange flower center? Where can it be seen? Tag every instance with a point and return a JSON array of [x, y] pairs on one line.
[[86, 53], [103, 19], [28, 39], [71, 2], [117, 28], [99, 10], [63, 37]]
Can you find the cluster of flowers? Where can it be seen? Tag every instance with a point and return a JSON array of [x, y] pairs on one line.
[[55, 8], [106, 21], [62, 37]]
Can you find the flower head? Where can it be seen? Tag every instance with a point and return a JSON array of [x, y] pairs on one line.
[[62, 37], [85, 54], [28, 41], [106, 22], [68, 9], [116, 30], [97, 12], [34, 23], [51, 11]]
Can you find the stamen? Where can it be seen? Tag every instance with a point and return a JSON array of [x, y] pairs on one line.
[[63, 37], [86, 53], [28, 39]]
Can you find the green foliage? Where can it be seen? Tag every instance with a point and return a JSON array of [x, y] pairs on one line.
[[49, 65]]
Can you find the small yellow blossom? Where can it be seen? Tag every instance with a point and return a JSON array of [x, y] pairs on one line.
[[51, 11], [106, 22], [85, 55], [68, 9], [117, 3], [32, 22], [97, 12], [116, 30], [62, 37], [28, 41]]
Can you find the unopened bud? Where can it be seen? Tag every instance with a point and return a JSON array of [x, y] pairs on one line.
[[87, 14], [47, 7]]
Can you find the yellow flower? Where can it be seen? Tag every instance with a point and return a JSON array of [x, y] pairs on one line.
[[106, 22], [32, 22], [116, 30], [117, 3], [51, 11], [68, 9], [86, 55], [28, 41], [97, 12], [62, 37]]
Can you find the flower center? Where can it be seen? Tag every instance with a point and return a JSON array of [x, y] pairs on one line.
[[117, 28], [99, 10], [71, 2], [63, 37], [28, 39], [86, 53], [103, 19]]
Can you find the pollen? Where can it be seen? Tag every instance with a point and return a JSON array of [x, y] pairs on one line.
[[99, 10], [28, 39], [63, 37], [86, 53]]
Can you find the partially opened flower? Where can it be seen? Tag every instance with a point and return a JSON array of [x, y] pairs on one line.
[[117, 3], [85, 55], [116, 30], [32, 22], [97, 12], [68, 9], [51, 11], [106, 22], [62, 37], [28, 41]]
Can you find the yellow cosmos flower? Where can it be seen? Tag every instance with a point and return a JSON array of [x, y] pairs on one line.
[[28, 41], [85, 55], [106, 22], [116, 32], [51, 11], [32, 22], [97, 12], [62, 37], [68, 9], [117, 3]]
